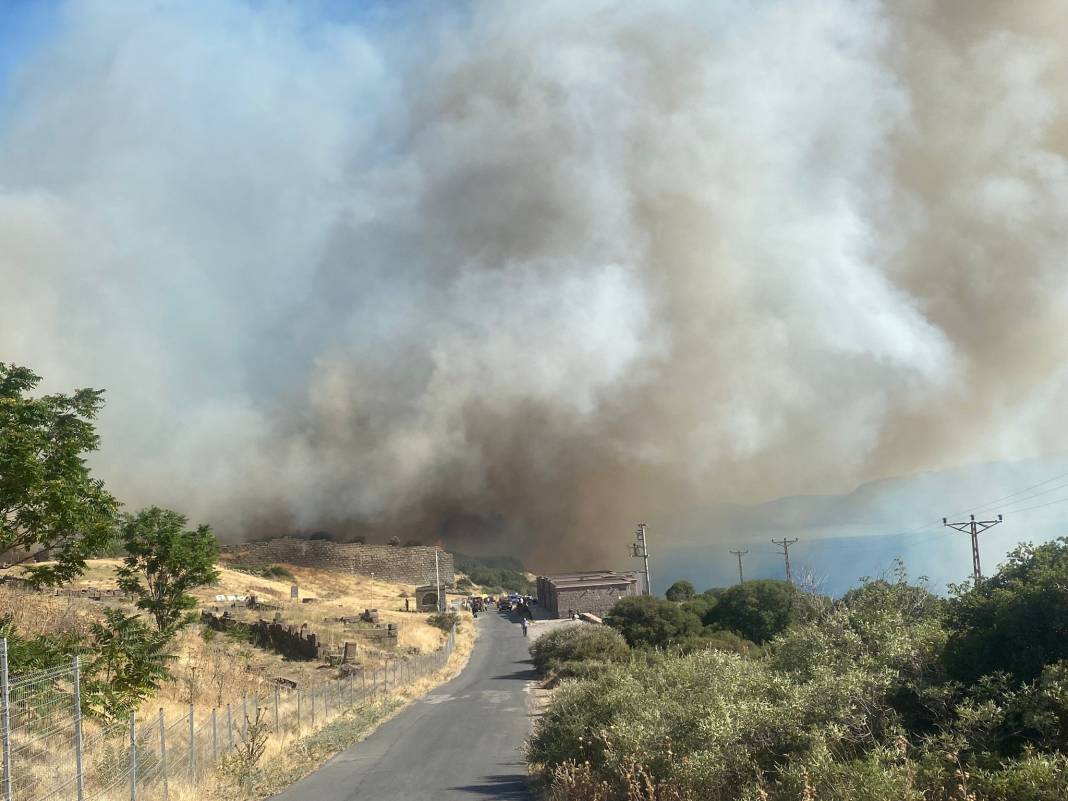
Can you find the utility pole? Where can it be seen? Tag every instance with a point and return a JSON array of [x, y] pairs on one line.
[[785, 545], [640, 550], [974, 527], [740, 554], [437, 579]]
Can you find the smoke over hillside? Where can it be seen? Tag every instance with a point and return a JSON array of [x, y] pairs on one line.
[[527, 274]]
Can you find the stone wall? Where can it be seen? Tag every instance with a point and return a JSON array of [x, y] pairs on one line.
[[294, 642], [414, 565], [598, 600]]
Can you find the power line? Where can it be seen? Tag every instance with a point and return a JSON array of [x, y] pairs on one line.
[[1038, 506], [1022, 499], [1011, 495]]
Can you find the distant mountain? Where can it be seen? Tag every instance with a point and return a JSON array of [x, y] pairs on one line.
[[843, 537]]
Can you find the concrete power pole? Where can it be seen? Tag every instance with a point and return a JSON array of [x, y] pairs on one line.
[[974, 528], [640, 550], [740, 554], [785, 545]]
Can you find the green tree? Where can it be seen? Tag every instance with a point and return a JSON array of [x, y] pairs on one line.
[[48, 498], [757, 610], [681, 590], [645, 620], [164, 562], [40, 652], [129, 665], [1016, 621]]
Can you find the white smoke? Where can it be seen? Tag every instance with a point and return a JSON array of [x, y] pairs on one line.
[[557, 266]]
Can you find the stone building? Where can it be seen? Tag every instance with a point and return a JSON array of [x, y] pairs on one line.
[[426, 598], [595, 591]]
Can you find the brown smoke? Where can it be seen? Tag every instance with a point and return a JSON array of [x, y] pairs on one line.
[[567, 267]]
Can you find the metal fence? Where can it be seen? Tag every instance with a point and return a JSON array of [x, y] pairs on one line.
[[52, 753]]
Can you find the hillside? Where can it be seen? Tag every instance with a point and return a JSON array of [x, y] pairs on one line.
[[212, 668]]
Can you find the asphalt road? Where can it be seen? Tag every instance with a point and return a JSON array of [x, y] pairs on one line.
[[462, 741]]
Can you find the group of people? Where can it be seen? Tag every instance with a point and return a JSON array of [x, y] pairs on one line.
[[516, 604]]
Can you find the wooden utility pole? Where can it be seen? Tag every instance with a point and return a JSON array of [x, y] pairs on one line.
[[785, 545], [974, 528], [740, 554]]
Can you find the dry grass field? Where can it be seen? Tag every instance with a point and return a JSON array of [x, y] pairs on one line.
[[213, 669]]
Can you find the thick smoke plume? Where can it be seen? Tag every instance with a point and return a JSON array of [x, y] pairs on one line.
[[520, 275]]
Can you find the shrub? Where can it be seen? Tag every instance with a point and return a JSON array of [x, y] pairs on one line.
[[680, 591], [811, 719], [1013, 621], [757, 610], [647, 621], [700, 606], [279, 572], [565, 649], [444, 621]]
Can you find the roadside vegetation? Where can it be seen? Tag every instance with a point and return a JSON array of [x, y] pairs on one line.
[[495, 574], [887, 694]]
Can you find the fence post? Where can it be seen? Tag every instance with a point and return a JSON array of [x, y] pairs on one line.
[[276, 691], [244, 715], [350, 688], [133, 756], [313, 706], [229, 727], [192, 747], [5, 719], [163, 752], [79, 775], [214, 738], [298, 711]]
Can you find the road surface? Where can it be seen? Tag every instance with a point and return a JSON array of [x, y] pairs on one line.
[[462, 741]]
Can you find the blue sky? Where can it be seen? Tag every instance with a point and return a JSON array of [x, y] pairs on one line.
[[23, 25]]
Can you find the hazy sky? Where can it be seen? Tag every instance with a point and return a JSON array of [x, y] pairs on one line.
[[517, 276]]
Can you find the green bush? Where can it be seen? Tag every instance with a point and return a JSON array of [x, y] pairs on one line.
[[681, 590], [1014, 621], [814, 713], [565, 650], [647, 621], [757, 610]]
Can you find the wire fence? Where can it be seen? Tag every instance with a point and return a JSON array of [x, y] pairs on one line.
[[52, 753]]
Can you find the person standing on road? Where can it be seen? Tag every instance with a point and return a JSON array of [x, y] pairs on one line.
[[523, 623]]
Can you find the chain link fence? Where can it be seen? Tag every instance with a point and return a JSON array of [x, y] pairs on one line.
[[50, 753]]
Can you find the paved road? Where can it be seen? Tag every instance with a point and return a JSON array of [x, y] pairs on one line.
[[462, 741]]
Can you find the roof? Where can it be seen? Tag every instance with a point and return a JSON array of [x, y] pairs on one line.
[[592, 585], [598, 578]]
